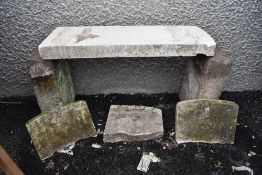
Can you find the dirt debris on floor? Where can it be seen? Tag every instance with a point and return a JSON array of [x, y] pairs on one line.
[[124, 157]]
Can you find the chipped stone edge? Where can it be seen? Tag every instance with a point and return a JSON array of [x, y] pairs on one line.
[[49, 53], [180, 141], [216, 101], [156, 135], [35, 61], [111, 138], [136, 107]]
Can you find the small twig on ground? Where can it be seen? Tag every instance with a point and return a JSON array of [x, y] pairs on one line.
[[7, 165], [10, 102]]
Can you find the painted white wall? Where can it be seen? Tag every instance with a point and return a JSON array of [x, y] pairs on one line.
[[235, 25]]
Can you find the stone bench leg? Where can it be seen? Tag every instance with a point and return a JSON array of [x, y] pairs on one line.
[[52, 82], [205, 76]]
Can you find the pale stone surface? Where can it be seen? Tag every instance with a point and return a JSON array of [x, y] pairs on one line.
[[133, 123], [205, 76], [62, 126], [52, 82], [39, 67], [126, 41], [208, 121]]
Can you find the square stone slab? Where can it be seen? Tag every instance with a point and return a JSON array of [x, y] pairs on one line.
[[126, 41], [133, 123], [208, 121], [60, 127]]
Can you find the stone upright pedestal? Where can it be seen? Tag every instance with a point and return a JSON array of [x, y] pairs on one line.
[[52, 82], [205, 76]]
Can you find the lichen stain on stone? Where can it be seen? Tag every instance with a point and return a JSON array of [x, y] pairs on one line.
[[85, 35], [53, 130], [216, 125], [46, 83], [64, 79]]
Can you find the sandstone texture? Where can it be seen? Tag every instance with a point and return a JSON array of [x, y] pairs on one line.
[[60, 127], [205, 76], [133, 123], [208, 121], [47, 92], [126, 41]]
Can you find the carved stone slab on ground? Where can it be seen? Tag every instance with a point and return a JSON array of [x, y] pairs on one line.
[[60, 127], [208, 121], [126, 41], [205, 76], [133, 123]]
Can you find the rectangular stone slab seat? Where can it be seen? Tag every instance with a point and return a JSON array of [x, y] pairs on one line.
[[126, 41], [133, 123], [60, 127], [208, 121]]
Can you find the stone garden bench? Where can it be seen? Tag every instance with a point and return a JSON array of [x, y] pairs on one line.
[[204, 78], [205, 73]]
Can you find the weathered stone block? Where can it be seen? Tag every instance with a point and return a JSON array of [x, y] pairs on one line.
[[47, 92], [60, 127], [52, 82], [205, 76], [203, 120], [39, 67], [133, 123]]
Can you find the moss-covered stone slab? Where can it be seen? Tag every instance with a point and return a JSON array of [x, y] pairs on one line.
[[205, 76], [208, 121], [133, 123], [52, 82], [60, 127]]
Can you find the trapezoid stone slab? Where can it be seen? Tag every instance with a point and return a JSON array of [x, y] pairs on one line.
[[126, 41], [205, 76], [133, 123], [60, 127], [208, 121]]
